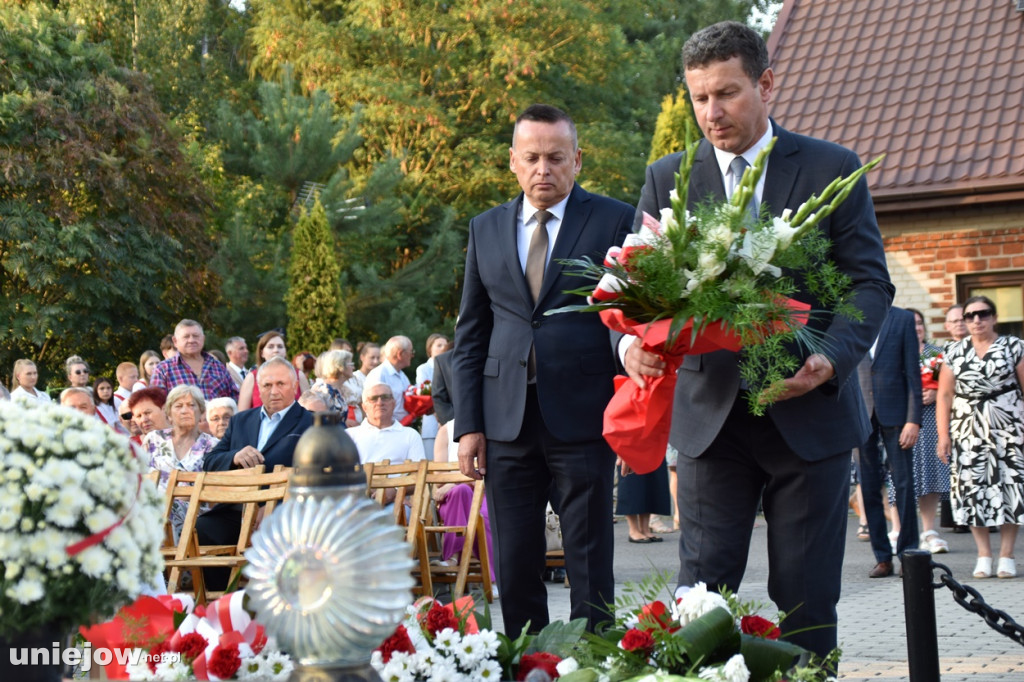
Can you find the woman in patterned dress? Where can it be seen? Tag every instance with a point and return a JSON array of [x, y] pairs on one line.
[[183, 446], [978, 414]]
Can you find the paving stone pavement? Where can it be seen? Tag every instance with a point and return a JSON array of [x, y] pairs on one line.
[[872, 626]]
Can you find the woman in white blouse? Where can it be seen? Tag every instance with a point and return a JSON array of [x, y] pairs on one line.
[[25, 377]]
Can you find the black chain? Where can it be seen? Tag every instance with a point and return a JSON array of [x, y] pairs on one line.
[[971, 599]]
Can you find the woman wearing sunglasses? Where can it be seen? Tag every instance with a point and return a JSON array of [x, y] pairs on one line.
[[978, 414]]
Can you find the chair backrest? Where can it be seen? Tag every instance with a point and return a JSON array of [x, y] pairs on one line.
[[426, 529], [402, 477]]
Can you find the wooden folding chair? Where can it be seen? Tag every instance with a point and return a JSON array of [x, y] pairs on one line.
[[428, 532], [251, 491], [383, 475], [179, 487]]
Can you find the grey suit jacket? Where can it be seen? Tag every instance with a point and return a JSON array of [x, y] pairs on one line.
[[831, 418], [498, 322]]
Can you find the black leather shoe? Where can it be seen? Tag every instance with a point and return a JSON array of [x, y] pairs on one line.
[[883, 569]]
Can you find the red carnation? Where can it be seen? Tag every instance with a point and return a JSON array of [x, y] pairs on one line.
[[190, 646], [398, 642], [224, 661], [542, 660], [638, 642], [155, 655], [439, 618], [759, 627]]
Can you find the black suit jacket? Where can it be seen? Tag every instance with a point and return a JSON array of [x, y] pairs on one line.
[[440, 389], [830, 418], [244, 429], [498, 323]]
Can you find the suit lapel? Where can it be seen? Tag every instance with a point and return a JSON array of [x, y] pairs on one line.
[[882, 333], [782, 172], [706, 177], [507, 228]]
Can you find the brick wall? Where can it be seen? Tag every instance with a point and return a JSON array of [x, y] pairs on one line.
[[927, 250]]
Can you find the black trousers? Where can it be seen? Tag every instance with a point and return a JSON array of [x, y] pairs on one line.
[[521, 475], [219, 526], [805, 509]]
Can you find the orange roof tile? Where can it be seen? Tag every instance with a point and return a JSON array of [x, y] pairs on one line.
[[936, 86]]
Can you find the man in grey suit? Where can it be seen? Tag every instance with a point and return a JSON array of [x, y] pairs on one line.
[[530, 389], [797, 457], [890, 380]]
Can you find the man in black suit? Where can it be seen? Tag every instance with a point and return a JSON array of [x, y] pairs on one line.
[[797, 457], [263, 435], [890, 381], [531, 389]]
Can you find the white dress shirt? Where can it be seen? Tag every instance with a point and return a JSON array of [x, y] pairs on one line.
[[396, 443]]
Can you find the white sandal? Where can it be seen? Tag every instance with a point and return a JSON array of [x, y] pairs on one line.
[[932, 542], [983, 569], [1007, 567]]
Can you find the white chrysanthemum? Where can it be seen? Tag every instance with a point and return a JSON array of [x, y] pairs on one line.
[[129, 581], [442, 671], [35, 491], [488, 669], [11, 570], [695, 602], [488, 641], [137, 667], [8, 519], [26, 591], [253, 669], [734, 670], [278, 664], [566, 666], [173, 669], [470, 651], [446, 640], [398, 669], [95, 561], [99, 519]]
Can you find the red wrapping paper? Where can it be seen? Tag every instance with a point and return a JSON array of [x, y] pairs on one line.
[[637, 420], [417, 406]]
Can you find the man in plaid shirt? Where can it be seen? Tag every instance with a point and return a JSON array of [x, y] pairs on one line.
[[194, 366]]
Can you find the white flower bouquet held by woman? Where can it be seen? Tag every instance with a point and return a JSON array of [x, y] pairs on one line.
[[80, 527]]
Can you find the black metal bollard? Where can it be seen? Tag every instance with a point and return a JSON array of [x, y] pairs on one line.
[[919, 610]]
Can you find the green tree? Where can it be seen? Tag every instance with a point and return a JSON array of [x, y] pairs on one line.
[[316, 311], [670, 129], [101, 215]]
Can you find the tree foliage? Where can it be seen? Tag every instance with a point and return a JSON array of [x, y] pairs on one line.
[[316, 311], [670, 130], [101, 216]]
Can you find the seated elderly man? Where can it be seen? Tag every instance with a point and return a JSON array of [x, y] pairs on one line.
[[263, 435], [381, 436], [79, 399]]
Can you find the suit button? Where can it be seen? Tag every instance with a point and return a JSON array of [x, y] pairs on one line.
[[522, 363], [535, 324]]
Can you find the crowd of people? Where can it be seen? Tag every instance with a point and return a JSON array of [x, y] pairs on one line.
[[519, 400]]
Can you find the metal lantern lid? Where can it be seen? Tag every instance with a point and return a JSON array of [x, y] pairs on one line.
[[325, 456]]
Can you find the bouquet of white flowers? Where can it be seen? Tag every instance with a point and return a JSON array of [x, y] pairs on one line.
[[80, 528]]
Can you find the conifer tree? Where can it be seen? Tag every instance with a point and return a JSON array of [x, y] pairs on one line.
[[670, 129], [316, 310]]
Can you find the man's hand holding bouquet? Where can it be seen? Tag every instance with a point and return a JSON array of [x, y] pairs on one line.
[[720, 278]]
